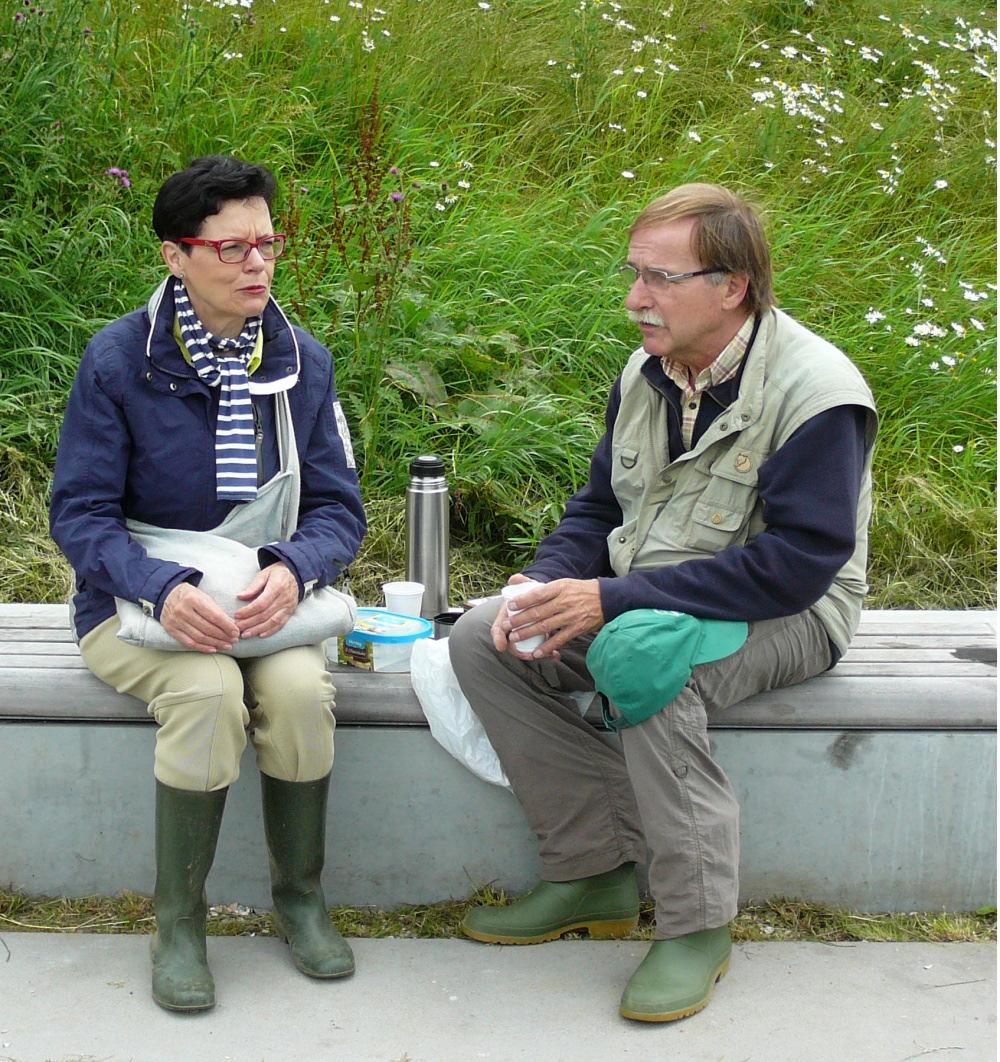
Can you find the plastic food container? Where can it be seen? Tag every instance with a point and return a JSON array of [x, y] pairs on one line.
[[382, 640]]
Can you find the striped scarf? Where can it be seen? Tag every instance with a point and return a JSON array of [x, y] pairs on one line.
[[223, 363]]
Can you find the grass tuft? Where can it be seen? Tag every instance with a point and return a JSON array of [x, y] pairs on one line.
[[776, 919]]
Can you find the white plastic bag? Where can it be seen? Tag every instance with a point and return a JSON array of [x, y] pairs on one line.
[[454, 725]]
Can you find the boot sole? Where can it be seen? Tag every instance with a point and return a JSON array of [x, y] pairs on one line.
[[321, 976], [684, 1012], [177, 1008], [604, 930]]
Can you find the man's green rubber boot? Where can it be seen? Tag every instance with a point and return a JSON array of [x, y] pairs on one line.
[[295, 827], [677, 976], [606, 905], [187, 829]]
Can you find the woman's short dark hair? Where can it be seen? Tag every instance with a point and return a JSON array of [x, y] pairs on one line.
[[189, 196]]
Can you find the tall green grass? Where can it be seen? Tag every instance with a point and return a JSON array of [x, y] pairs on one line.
[[476, 317]]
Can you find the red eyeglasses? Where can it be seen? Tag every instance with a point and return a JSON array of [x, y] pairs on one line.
[[232, 252]]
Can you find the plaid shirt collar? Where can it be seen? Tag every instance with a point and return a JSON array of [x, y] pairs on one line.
[[725, 366]]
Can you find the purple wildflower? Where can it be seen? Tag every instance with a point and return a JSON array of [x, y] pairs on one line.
[[19, 16], [122, 175], [397, 197], [394, 170]]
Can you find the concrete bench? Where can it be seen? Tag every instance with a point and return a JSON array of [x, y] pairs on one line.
[[871, 787]]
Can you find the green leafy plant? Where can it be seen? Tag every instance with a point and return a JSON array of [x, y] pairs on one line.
[[457, 220]]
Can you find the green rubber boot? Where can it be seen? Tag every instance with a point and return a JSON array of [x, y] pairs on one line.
[[295, 827], [187, 829], [606, 905], [677, 976]]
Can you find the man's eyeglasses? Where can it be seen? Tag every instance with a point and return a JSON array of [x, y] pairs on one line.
[[660, 279], [234, 251]]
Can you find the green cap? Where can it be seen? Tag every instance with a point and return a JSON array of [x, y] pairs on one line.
[[641, 659]]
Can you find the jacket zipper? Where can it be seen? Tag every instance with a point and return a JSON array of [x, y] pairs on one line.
[[258, 431]]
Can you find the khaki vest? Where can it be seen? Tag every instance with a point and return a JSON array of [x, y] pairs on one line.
[[706, 499]]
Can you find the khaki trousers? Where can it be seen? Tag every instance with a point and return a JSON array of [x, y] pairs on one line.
[[594, 806], [204, 702]]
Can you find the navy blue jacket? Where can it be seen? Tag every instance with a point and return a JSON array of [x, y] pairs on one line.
[[809, 488], [138, 442]]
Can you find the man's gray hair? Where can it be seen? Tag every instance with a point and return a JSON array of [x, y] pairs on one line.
[[728, 234]]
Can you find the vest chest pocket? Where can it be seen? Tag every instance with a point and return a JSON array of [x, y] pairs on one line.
[[714, 527], [737, 465], [721, 515]]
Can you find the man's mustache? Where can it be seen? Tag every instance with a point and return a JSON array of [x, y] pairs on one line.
[[646, 317]]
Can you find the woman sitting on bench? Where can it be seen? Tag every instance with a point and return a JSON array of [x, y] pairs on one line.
[[208, 411]]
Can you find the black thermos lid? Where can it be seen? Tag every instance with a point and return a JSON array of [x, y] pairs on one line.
[[426, 466]]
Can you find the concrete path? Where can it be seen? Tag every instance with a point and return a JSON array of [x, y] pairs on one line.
[[86, 999]]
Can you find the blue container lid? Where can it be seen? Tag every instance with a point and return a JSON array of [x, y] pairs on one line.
[[382, 627]]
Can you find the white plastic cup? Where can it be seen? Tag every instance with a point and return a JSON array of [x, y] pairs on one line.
[[509, 593], [404, 598]]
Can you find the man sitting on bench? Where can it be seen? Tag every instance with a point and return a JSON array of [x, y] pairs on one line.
[[732, 484]]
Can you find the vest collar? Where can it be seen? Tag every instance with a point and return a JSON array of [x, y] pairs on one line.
[[748, 403]]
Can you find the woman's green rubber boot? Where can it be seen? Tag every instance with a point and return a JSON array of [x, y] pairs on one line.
[[677, 976], [295, 827], [187, 829], [606, 905]]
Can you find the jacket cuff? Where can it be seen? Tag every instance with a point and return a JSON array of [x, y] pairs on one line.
[[614, 599], [283, 553], [181, 575], [539, 574]]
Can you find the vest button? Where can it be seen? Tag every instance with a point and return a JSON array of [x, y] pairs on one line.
[[623, 540], [745, 416], [173, 387], [716, 518], [149, 377], [723, 425]]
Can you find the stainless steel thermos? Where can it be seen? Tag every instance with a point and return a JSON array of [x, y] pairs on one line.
[[427, 532]]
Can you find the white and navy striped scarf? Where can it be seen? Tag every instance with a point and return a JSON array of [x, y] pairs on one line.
[[223, 363]]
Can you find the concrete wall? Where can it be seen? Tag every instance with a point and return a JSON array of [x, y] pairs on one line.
[[871, 820]]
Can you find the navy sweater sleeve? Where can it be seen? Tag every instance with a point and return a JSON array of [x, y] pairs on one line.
[[809, 489]]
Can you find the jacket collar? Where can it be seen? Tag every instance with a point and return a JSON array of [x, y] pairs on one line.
[[279, 370]]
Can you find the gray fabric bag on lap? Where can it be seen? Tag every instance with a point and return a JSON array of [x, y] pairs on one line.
[[227, 557]]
